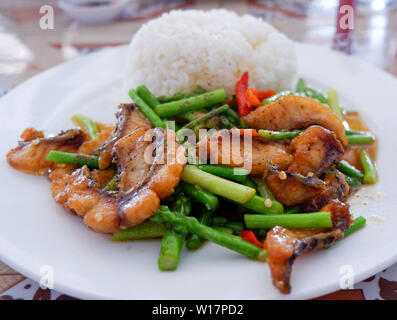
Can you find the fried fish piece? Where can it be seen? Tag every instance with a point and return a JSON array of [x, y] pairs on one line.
[[228, 149], [30, 155], [294, 112], [129, 118], [143, 182], [284, 245]]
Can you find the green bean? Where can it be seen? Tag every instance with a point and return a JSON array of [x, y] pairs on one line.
[[369, 168], [333, 103], [87, 124], [264, 206], [145, 230], [236, 174], [276, 97], [217, 185], [360, 139], [297, 220], [358, 223], [279, 135], [349, 170], [191, 225], [73, 158], [147, 96], [146, 110], [198, 194], [185, 105]]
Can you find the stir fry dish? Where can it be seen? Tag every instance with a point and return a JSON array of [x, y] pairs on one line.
[[263, 173]]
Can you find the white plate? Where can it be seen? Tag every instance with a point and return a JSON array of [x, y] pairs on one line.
[[35, 232]]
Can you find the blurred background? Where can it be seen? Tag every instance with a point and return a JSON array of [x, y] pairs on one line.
[[84, 26], [38, 34]]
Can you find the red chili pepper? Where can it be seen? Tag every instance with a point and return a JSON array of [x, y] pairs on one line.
[[262, 95], [252, 98], [241, 88], [249, 236], [247, 132]]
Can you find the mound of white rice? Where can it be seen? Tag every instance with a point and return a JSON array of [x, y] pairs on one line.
[[183, 49]]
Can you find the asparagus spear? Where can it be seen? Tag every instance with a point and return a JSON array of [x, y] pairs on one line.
[[146, 110], [360, 139], [193, 241], [333, 103], [172, 241], [300, 220], [262, 188], [147, 96], [218, 186], [276, 97], [200, 195], [145, 230], [236, 174], [86, 123], [185, 105], [279, 135], [264, 206], [73, 158], [191, 225], [358, 223], [353, 182], [349, 170], [369, 167]]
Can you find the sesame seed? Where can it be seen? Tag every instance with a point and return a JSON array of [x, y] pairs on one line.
[[310, 174], [268, 203], [282, 175]]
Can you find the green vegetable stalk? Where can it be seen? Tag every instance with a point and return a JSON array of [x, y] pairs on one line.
[[172, 241], [73, 158], [217, 185], [146, 110], [296, 220], [191, 225], [87, 124], [185, 105]]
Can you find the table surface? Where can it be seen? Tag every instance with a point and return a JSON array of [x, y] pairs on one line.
[[26, 50]]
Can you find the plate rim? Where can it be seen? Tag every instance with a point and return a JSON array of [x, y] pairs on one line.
[[81, 292]]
